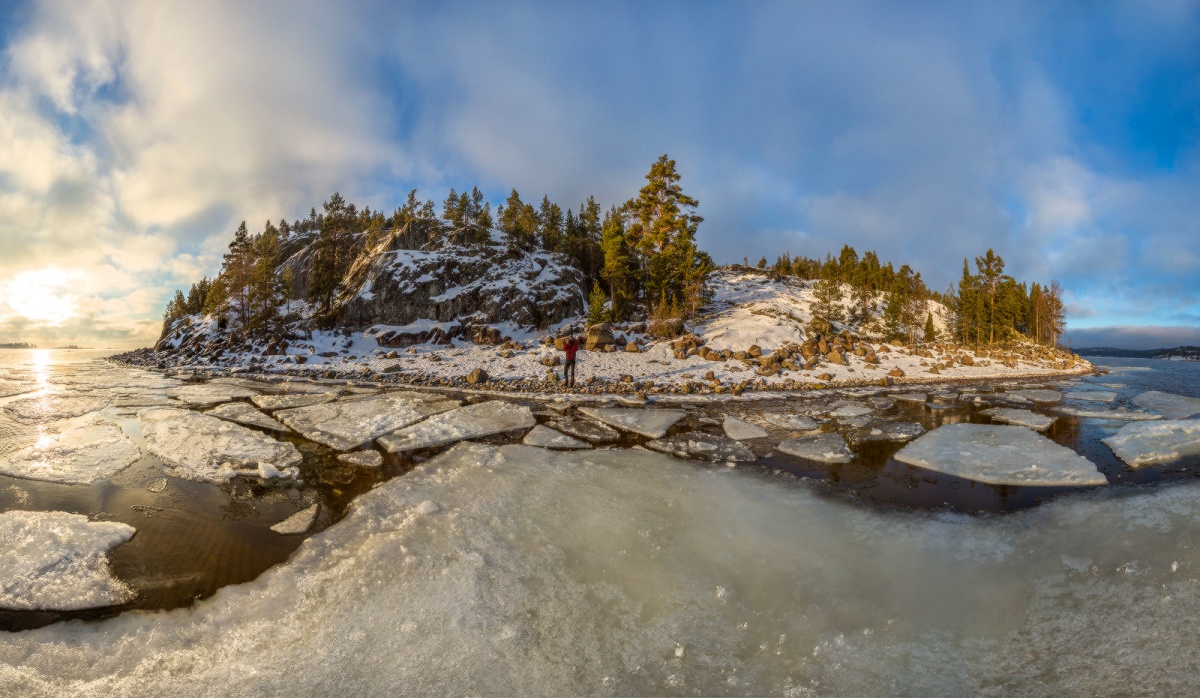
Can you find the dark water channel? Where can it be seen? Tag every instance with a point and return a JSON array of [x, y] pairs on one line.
[[194, 538]]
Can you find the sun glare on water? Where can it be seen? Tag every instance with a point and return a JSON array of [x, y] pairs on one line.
[[41, 296]]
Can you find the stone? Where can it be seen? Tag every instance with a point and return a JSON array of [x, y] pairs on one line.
[[598, 337], [477, 376]]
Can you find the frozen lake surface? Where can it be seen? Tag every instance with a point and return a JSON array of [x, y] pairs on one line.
[[498, 568]]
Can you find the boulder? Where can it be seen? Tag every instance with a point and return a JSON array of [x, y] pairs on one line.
[[665, 328], [598, 337], [632, 348], [477, 376]]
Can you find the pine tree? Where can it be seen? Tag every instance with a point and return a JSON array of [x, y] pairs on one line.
[[266, 289], [334, 250], [236, 269], [596, 310], [991, 267], [930, 333], [662, 231], [550, 229], [618, 265], [826, 306]]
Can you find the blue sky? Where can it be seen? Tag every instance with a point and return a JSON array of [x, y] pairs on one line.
[[1064, 135]]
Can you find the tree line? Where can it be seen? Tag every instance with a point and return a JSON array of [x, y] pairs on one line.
[[637, 257]]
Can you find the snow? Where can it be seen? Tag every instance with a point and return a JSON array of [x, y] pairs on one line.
[[73, 454], [793, 422], [283, 402], [545, 437], [586, 429], [470, 422], [1000, 455], [1037, 395], [1168, 405], [198, 447], [56, 561], [1091, 395], [362, 459], [297, 523], [205, 394], [741, 430], [50, 407], [651, 422], [825, 448], [347, 424], [1148, 443], [1021, 418], [703, 446], [246, 415]]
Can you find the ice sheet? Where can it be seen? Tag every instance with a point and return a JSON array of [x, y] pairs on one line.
[[704, 446], [824, 448], [470, 422], [283, 402], [793, 422], [545, 437], [246, 415], [876, 429], [198, 447], [586, 429], [1000, 455], [297, 523], [51, 407], [1037, 395], [1116, 413], [348, 424], [1021, 418], [1168, 405], [1148, 443], [652, 422], [56, 561], [741, 430], [73, 454], [204, 394], [1091, 395]]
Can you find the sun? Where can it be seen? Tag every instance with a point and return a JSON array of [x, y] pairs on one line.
[[41, 296]]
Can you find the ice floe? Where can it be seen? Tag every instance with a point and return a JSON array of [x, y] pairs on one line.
[[741, 430], [1000, 455], [1116, 413], [909, 397], [1091, 395], [703, 446], [865, 429], [204, 394], [545, 437], [198, 447], [591, 431], [73, 454], [298, 523], [1168, 405], [650, 422], [56, 561], [1148, 443], [284, 402], [348, 424], [793, 422], [1037, 395], [47, 408], [363, 459], [845, 409], [826, 448], [470, 422], [1021, 418], [242, 413]]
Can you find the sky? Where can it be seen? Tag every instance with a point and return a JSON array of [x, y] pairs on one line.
[[135, 136]]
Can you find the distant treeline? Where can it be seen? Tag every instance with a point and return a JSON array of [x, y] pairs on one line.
[[1183, 351], [18, 345]]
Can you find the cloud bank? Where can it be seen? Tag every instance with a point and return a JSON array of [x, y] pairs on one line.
[[135, 135]]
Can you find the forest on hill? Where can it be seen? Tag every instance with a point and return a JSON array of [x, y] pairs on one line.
[[639, 259]]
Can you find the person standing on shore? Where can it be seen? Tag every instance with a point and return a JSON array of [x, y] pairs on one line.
[[569, 348]]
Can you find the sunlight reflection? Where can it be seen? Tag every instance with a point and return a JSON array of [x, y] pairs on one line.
[[41, 365]]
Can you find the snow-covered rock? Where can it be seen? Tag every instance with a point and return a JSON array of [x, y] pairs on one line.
[[205, 394], [198, 447], [56, 561], [1021, 418], [741, 430], [470, 422], [1000, 455], [703, 446], [1168, 405], [298, 523], [244, 414], [73, 454], [545, 437], [651, 422], [1147, 443], [348, 424], [825, 448]]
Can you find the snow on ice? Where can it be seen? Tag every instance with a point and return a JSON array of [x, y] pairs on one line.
[[651, 422], [825, 448], [47, 408], [792, 422], [1091, 395], [56, 561], [362, 459], [1117, 413], [1168, 405], [297, 523], [244, 414], [1037, 395], [198, 447], [348, 424], [545, 437], [703, 446], [586, 429], [73, 454], [1021, 418], [283, 402], [470, 422], [205, 394], [1000, 455], [742, 430], [1148, 443]]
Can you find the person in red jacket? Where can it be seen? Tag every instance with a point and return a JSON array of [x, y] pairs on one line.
[[569, 348]]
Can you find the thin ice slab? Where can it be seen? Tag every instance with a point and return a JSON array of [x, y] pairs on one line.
[[1046, 396], [703, 446], [1091, 395], [56, 561], [824, 448], [470, 422], [49, 408], [1020, 418], [1169, 405], [843, 410], [653, 423], [909, 397], [545, 437], [287, 402], [205, 394], [741, 430], [348, 424], [362, 459], [246, 415], [297, 523], [1116, 413], [198, 447], [793, 422], [1000, 455], [73, 454], [866, 429], [586, 429], [1147, 443]]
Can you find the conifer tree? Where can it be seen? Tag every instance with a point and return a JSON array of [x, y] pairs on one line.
[[266, 290], [662, 230], [236, 269], [826, 307], [930, 333], [550, 229], [618, 265], [596, 310]]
